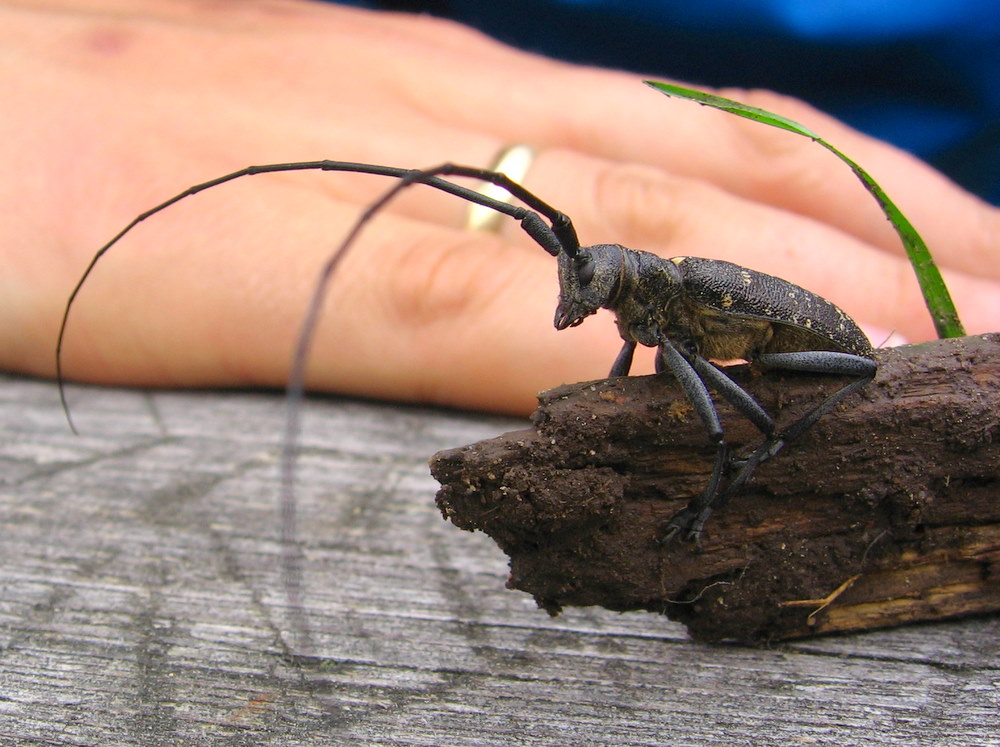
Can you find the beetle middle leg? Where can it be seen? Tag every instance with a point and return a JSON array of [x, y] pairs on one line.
[[692, 372], [695, 374]]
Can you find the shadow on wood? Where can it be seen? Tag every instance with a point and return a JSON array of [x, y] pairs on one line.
[[886, 512]]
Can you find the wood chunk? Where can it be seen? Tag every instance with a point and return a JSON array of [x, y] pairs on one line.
[[886, 512]]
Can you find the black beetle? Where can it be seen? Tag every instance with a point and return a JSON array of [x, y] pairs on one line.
[[692, 310]]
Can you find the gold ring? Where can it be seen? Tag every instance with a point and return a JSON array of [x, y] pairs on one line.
[[513, 161]]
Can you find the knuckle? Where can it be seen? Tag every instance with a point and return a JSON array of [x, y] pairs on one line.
[[774, 158], [637, 203], [443, 277]]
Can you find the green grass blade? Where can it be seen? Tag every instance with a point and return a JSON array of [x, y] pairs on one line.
[[935, 292]]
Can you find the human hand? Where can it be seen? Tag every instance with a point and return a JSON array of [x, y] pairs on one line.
[[114, 106]]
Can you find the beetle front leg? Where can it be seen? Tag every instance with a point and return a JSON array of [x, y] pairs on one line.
[[623, 363]]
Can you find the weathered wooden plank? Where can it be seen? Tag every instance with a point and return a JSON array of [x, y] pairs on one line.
[[141, 603]]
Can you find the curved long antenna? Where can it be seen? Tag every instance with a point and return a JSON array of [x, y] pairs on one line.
[[560, 237]]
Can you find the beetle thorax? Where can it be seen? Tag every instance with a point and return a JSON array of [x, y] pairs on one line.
[[649, 300]]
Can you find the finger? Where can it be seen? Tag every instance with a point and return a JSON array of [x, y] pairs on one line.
[[466, 94], [429, 124], [230, 279], [206, 297], [609, 114], [221, 304]]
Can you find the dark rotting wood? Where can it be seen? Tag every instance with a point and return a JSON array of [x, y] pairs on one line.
[[886, 512]]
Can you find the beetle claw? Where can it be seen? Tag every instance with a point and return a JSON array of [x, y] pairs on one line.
[[689, 521], [668, 536]]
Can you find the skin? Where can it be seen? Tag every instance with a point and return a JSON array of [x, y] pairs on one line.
[[119, 105]]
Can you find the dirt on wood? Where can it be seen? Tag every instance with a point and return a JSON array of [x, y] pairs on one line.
[[886, 512]]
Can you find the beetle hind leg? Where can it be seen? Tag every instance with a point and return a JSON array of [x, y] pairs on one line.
[[815, 362], [842, 364], [695, 374], [821, 361]]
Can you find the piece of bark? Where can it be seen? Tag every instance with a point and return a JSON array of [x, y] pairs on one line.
[[886, 512]]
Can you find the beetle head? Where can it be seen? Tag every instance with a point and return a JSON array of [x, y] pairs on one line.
[[587, 281]]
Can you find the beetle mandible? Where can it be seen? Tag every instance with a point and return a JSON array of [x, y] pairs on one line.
[[691, 310]]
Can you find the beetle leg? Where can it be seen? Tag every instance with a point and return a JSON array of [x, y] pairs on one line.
[[671, 359], [747, 465], [693, 517], [623, 363], [736, 395], [820, 361], [685, 369]]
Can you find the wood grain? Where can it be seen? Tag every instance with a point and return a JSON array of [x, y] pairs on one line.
[[141, 604]]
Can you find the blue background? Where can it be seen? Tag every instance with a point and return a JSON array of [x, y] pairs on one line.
[[922, 74]]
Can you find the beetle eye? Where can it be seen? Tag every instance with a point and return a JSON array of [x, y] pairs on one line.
[[585, 271]]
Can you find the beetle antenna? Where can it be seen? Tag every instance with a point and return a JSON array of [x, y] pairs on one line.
[[559, 237]]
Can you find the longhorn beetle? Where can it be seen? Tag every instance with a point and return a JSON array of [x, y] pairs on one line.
[[691, 310]]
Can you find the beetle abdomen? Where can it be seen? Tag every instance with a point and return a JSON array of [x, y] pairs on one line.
[[802, 320]]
